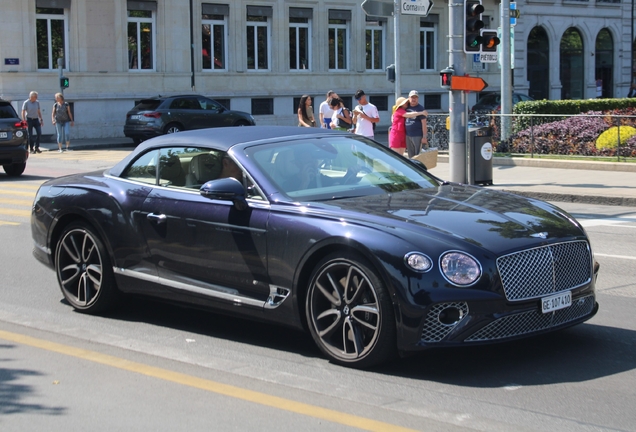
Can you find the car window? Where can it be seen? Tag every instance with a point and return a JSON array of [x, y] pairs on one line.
[[7, 111], [209, 104], [147, 105], [336, 167], [143, 169], [185, 103], [525, 98]]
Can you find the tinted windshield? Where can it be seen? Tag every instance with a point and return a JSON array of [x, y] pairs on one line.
[[316, 169]]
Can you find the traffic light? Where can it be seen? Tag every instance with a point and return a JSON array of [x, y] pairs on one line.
[[472, 26], [390, 73], [489, 40], [446, 76], [64, 82]]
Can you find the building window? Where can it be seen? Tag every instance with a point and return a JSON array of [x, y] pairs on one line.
[[262, 106], [51, 29], [299, 38], [214, 36], [428, 42], [141, 35], [432, 101], [374, 44], [258, 37], [338, 38], [380, 102]]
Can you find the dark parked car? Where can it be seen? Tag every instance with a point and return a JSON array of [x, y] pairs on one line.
[[14, 147], [163, 115], [492, 101], [316, 229]]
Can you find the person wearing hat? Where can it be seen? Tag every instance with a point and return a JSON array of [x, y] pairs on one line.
[[397, 134], [416, 134], [365, 115]]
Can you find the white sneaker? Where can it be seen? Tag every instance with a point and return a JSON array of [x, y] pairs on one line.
[[59, 151]]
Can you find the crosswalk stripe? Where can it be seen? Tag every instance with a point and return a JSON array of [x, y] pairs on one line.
[[8, 223], [15, 212], [16, 202], [19, 193], [32, 187]]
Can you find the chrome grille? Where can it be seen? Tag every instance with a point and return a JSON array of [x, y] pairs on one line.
[[434, 330], [533, 273], [528, 322]]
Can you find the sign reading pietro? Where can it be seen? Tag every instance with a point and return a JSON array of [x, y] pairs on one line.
[[416, 7]]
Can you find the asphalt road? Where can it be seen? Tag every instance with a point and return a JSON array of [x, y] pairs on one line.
[[152, 366]]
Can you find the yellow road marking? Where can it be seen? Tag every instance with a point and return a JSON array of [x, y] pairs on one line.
[[8, 223], [15, 192], [17, 202], [33, 187], [207, 385], [15, 212]]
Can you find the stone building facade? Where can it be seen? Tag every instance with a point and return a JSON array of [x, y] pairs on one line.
[[260, 56]]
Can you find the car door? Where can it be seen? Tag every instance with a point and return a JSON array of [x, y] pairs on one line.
[[203, 248], [187, 111], [215, 114]]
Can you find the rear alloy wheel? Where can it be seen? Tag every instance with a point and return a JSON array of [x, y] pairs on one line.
[[14, 170], [84, 271], [349, 313], [173, 128]]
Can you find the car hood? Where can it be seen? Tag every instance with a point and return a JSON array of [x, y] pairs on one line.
[[483, 217]]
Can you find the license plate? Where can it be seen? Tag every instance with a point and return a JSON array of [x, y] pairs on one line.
[[3, 135], [135, 117], [556, 302]]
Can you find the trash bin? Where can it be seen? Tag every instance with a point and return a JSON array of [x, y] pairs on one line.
[[480, 157]]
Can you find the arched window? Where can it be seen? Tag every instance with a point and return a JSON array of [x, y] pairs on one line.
[[604, 55], [572, 65], [539, 63]]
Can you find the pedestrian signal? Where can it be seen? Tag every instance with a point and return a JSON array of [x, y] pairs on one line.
[[64, 82], [472, 26], [446, 76]]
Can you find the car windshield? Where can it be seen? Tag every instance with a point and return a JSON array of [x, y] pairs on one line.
[[326, 168]]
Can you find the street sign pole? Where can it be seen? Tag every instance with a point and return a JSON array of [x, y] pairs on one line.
[[506, 79], [458, 119], [396, 48]]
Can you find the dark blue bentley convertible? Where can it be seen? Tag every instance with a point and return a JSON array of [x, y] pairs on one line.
[[322, 230]]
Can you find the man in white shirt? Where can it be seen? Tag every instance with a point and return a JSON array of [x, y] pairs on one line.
[[365, 115], [325, 110]]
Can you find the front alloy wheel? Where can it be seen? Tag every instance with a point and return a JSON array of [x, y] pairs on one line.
[[83, 270], [349, 313]]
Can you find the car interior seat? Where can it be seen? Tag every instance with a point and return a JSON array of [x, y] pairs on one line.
[[172, 172], [203, 168]]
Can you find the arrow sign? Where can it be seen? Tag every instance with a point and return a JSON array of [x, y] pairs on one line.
[[465, 83], [378, 8]]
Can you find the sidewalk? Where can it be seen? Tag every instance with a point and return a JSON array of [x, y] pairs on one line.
[[605, 183]]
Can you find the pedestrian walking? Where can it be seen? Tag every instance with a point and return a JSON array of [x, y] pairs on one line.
[[61, 117], [341, 119], [306, 112], [416, 132], [32, 115], [325, 111], [365, 115]]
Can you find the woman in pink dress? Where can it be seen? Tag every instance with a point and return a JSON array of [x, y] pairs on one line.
[[397, 134]]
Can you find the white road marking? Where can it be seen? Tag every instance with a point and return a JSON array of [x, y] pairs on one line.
[[616, 256]]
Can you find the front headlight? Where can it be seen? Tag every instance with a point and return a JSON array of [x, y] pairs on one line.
[[459, 268], [418, 261]]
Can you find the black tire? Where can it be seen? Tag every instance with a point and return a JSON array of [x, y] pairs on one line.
[[173, 128], [84, 271], [14, 170], [349, 312], [137, 141]]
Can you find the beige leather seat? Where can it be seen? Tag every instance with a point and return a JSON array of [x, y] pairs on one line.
[[203, 168]]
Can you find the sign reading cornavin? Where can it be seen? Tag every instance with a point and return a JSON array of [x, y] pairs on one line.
[[416, 7]]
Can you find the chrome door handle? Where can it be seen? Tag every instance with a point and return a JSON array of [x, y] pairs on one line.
[[157, 218]]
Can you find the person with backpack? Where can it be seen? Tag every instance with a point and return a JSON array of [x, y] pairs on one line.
[[365, 115], [61, 117], [341, 118]]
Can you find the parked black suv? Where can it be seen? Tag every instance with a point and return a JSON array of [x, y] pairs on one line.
[[164, 115], [14, 147]]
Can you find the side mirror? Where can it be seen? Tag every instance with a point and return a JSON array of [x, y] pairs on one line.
[[225, 189]]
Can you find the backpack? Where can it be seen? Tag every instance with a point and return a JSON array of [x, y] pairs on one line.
[[61, 113]]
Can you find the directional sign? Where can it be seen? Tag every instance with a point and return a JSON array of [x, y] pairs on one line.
[[514, 13], [378, 8], [416, 7], [465, 83]]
